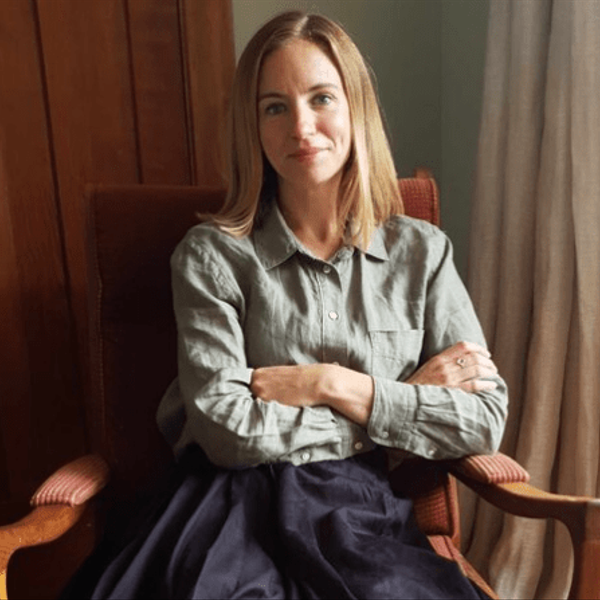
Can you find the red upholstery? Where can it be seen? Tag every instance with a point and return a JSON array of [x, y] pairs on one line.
[[133, 232], [437, 510], [444, 547], [421, 199], [498, 468], [434, 494], [75, 483]]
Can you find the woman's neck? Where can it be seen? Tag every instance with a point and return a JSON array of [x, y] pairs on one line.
[[312, 214]]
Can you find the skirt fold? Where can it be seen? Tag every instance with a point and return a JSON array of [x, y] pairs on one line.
[[332, 529]]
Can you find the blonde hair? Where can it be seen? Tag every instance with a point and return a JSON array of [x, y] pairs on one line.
[[369, 188]]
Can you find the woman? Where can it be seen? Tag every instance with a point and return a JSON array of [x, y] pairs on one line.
[[316, 329]]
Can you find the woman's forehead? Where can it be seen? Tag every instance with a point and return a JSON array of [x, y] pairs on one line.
[[298, 64]]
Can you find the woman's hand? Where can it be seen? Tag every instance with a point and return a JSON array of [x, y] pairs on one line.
[[346, 391], [294, 385], [464, 365]]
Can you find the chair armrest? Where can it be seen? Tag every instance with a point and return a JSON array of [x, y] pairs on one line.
[[43, 524], [505, 484], [494, 468], [580, 514], [58, 504], [75, 483]]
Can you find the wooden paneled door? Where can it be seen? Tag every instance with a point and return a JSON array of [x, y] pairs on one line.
[[91, 91]]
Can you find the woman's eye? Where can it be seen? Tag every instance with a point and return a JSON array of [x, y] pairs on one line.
[[274, 109], [323, 99]]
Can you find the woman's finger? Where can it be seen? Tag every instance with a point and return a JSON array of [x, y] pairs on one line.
[[475, 386], [473, 372], [472, 361], [458, 366], [463, 348]]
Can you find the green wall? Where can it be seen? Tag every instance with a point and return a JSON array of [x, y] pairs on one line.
[[464, 33], [428, 57]]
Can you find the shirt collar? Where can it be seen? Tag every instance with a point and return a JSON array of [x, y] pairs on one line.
[[376, 248], [273, 239], [275, 242]]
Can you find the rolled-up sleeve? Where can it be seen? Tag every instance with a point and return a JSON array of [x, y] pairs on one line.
[[233, 427], [434, 421]]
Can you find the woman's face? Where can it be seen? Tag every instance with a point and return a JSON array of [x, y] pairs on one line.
[[303, 115]]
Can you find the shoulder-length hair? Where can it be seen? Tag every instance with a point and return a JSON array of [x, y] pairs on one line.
[[369, 188]]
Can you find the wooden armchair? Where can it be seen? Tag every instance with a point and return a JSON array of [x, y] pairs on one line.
[[133, 231]]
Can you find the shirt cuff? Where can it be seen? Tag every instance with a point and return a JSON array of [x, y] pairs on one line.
[[393, 414]]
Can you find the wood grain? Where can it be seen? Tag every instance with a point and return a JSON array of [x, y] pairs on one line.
[[92, 91], [91, 113], [157, 75], [41, 401], [207, 35]]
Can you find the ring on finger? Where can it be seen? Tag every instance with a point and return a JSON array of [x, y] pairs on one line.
[[461, 362]]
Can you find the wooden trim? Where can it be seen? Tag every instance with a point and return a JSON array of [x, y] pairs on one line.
[[91, 114], [3, 591], [581, 516], [207, 39], [42, 525], [158, 91], [39, 399]]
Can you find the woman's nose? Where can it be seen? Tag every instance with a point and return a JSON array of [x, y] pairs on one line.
[[303, 124]]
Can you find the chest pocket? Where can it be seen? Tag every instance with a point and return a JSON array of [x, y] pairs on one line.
[[395, 349]]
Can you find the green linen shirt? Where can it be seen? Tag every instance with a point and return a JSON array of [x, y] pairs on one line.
[[264, 299]]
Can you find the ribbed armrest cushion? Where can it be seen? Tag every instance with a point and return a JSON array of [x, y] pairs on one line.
[[495, 468], [75, 483]]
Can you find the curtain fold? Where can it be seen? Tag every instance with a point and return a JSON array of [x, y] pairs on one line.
[[534, 270]]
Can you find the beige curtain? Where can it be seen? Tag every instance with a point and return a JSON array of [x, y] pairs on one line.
[[534, 271]]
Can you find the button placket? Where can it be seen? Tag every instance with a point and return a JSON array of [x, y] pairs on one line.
[[334, 331]]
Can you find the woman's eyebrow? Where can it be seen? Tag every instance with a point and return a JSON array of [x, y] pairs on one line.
[[313, 88]]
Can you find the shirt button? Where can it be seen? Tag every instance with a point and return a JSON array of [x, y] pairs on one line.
[[385, 435], [305, 456], [333, 315], [358, 446], [326, 269]]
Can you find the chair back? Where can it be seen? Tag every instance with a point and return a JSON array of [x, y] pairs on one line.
[[133, 231]]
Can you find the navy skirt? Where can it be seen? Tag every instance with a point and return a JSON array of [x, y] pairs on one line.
[[330, 529]]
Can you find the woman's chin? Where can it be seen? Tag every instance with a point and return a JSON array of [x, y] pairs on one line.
[[310, 175]]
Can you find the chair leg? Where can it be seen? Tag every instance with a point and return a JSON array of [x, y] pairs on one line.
[[3, 591], [586, 544]]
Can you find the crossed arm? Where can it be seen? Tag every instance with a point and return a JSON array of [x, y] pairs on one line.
[[445, 409], [351, 393]]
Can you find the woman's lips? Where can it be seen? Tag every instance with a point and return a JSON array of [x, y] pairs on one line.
[[305, 154]]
